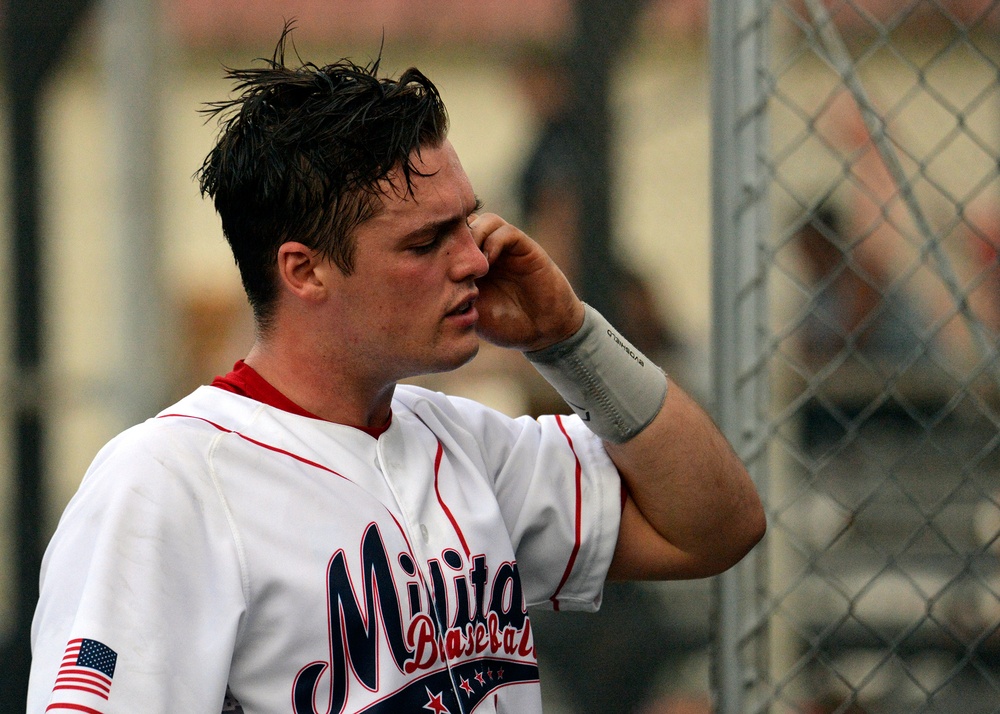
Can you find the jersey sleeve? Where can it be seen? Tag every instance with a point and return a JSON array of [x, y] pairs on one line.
[[561, 497], [558, 491], [142, 591]]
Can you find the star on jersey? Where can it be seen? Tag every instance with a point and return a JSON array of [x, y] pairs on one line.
[[465, 686], [480, 678], [435, 703]]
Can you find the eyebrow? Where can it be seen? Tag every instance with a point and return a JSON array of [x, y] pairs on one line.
[[434, 227]]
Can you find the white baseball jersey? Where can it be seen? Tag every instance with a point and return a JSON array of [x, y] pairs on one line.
[[235, 554]]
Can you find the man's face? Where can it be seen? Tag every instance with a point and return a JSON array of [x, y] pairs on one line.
[[408, 306]]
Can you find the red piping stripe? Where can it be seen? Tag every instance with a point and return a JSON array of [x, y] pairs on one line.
[[444, 506], [259, 443], [579, 517]]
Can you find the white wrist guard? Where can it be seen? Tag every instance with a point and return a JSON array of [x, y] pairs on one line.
[[609, 383]]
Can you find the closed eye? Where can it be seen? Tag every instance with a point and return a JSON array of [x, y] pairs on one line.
[[424, 248]]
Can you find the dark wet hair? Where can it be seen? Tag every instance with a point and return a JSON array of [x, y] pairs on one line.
[[303, 155]]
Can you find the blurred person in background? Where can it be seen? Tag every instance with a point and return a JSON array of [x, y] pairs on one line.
[[874, 226], [548, 193], [876, 311], [853, 306], [859, 327], [636, 637]]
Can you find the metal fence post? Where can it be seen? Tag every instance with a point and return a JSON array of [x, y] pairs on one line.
[[739, 217], [130, 45]]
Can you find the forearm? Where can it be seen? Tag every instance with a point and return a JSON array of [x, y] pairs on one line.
[[700, 509], [692, 510]]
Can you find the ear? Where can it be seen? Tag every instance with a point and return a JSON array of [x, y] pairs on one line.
[[301, 270]]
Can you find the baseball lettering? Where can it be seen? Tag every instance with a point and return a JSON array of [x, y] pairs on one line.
[[628, 350], [475, 640], [422, 638], [356, 639], [466, 618]]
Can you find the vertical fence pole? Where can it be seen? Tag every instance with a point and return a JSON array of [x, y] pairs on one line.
[[35, 36], [739, 218], [129, 45]]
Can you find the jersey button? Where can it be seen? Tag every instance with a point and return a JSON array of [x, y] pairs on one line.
[[424, 534]]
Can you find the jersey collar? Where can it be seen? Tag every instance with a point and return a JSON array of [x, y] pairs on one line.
[[245, 381]]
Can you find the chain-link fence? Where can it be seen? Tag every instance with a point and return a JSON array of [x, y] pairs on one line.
[[857, 228]]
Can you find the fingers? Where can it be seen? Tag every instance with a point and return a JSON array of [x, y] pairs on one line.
[[496, 236], [512, 254], [525, 300]]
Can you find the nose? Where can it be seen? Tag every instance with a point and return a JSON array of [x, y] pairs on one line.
[[469, 261]]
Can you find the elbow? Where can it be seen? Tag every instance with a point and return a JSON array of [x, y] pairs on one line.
[[755, 521], [755, 528], [745, 519], [736, 534], [748, 528]]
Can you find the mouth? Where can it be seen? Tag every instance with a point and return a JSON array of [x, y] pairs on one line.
[[465, 308]]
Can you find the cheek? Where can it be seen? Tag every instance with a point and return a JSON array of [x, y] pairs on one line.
[[396, 289], [411, 283], [402, 298]]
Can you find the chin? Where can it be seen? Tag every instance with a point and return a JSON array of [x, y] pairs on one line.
[[459, 358]]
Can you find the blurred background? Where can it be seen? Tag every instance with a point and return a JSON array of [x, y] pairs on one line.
[[792, 205]]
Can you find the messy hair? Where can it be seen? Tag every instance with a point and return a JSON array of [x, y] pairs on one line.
[[303, 155]]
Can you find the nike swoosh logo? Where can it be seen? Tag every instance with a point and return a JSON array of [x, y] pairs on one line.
[[581, 411]]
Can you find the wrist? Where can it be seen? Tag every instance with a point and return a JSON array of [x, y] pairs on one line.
[[559, 332], [605, 380]]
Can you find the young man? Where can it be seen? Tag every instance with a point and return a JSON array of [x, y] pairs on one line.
[[304, 535]]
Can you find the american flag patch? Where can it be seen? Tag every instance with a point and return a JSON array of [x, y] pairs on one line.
[[83, 683]]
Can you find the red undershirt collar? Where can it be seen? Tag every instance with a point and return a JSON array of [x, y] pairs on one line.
[[246, 382]]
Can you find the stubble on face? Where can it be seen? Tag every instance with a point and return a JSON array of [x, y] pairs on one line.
[[415, 273]]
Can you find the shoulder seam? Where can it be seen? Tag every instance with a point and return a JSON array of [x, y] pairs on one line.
[[230, 519]]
